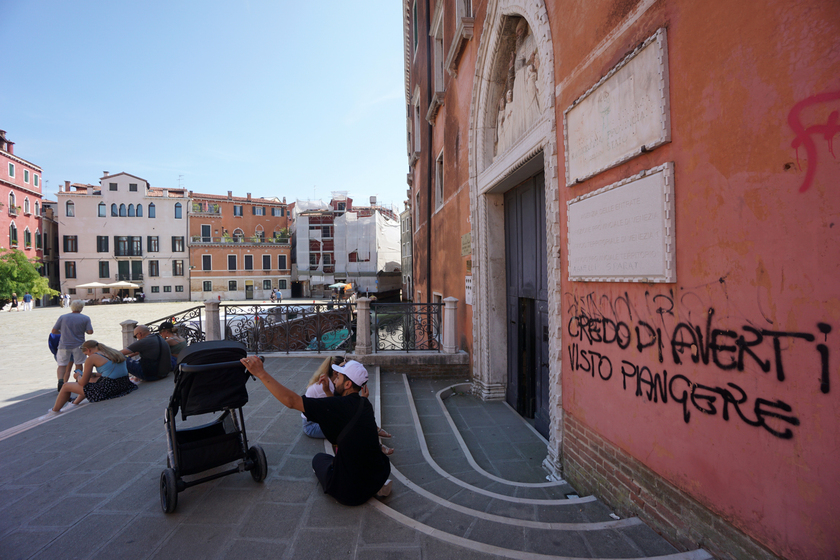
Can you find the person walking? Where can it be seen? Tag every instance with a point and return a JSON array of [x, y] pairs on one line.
[[14, 302], [72, 327], [359, 470], [27, 301]]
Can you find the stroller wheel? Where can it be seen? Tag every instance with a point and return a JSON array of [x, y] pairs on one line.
[[168, 491], [260, 468]]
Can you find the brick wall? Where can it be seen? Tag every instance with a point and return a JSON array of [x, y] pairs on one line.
[[595, 466]]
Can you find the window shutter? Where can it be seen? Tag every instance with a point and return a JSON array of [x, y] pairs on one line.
[[254, 210]]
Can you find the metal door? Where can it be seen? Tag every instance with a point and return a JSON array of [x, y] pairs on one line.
[[527, 301], [136, 270], [249, 290], [122, 270]]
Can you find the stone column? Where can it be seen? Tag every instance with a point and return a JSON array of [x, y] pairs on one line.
[[363, 345], [449, 309], [212, 325], [128, 332]]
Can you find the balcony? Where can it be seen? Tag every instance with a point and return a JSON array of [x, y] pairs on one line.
[[14, 210], [206, 209], [202, 240], [129, 276]]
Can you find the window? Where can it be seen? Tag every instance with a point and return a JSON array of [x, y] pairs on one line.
[[26, 206], [258, 211], [130, 210], [167, 288], [127, 246], [137, 246], [281, 284], [414, 26], [178, 244], [206, 262], [27, 238], [249, 262], [415, 101], [26, 176], [206, 236], [112, 186], [69, 269], [266, 262], [266, 284], [12, 235], [139, 210], [178, 211], [155, 289], [37, 207], [104, 269], [101, 243], [70, 209], [179, 288], [37, 180], [132, 187], [436, 32], [231, 262], [276, 212], [38, 242], [151, 209], [154, 268], [313, 259], [238, 235], [207, 286], [114, 211], [439, 181], [123, 212], [177, 268], [71, 243], [326, 232], [102, 210], [231, 285], [281, 262], [327, 258], [153, 243], [237, 209], [11, 169]]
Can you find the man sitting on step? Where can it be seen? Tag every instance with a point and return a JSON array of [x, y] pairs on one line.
[[359, 469]]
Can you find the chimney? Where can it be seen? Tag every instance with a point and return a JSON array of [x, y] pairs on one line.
[[66, 186], [10, 147], [104, 173], [373, 201], [249, 197], [230, 195]]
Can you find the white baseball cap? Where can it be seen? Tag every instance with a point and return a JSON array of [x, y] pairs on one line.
[[354, 371]]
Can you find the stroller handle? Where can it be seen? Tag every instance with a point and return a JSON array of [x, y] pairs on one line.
[[210, 367]]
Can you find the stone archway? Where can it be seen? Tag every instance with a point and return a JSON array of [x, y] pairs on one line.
[[496, 167]]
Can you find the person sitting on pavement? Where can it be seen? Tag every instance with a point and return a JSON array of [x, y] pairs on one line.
[[359, 470], [72, 328], [320, 386], [176, 343], [109, 381], [155, 359]]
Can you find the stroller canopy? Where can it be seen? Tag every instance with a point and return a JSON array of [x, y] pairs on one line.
[[210, 378]]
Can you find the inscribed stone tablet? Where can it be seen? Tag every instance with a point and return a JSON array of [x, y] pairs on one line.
[[624, 232], [625, 113]]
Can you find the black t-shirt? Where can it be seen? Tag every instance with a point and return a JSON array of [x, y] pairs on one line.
[[360, 468]]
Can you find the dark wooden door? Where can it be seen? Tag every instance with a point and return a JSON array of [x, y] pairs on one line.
[[527, 301]]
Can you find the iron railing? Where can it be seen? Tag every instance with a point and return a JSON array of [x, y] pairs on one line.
[[187, 324], [406, 326], [289, 328]]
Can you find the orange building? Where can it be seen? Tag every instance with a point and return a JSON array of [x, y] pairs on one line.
[[239, 247]]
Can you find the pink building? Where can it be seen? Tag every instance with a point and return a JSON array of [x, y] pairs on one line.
[[20, 201]]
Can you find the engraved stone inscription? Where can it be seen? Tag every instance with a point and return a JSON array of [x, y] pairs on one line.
[[624, 232], [625, 113]]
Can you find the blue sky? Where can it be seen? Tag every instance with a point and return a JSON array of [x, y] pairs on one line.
[[294, 99]]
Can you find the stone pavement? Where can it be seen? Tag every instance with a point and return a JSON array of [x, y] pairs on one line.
[[467, 484]]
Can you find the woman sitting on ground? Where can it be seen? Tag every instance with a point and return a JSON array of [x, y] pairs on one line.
[[176, 343], [109, 381], [321, 385]]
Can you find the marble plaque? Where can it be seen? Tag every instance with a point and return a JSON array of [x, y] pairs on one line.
[[625, 114], [625, 231]]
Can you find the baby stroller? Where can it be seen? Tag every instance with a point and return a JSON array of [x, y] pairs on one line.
[[209, 378]]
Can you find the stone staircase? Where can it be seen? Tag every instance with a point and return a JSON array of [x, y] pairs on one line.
[[468, 473]]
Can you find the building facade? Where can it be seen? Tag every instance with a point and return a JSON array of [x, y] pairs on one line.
[[123, 230], [20, 202], [405, 253], [239, 247], [638, 182], [49, 246]]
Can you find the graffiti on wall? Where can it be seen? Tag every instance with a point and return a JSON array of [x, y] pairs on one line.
[[597, 324], [805, 135]]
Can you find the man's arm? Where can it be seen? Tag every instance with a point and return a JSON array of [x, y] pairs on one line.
[[55, 331], [283, 394]]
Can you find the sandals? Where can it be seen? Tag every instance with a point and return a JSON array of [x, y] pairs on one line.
[[383, 434], [387, 450]]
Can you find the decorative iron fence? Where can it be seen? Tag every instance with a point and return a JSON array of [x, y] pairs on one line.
[[406, 326], [187, 324], [291, 327]]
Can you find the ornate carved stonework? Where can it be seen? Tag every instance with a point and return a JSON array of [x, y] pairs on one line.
[[519, 69]]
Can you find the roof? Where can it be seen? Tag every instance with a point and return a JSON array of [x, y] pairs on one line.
[[123, 173], [224, 198]]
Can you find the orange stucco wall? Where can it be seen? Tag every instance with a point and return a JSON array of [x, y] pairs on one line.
[[745, 420]]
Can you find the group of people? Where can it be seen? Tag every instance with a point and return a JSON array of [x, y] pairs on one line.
[[15, 305], [276, 296], [360, 468], [116, 374]]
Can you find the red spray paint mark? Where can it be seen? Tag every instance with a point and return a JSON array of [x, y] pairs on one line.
[[803, 135]]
